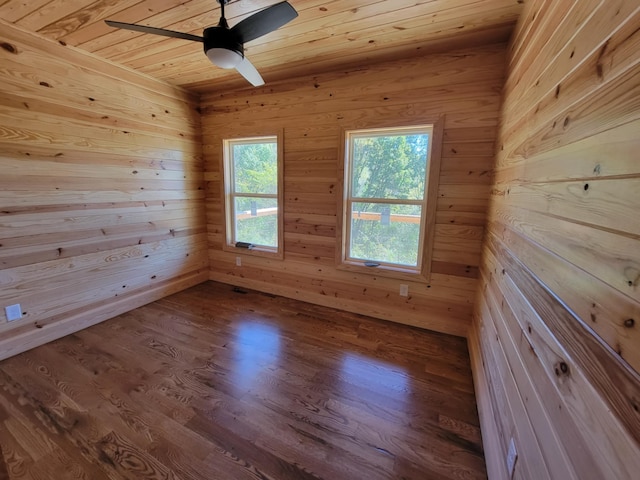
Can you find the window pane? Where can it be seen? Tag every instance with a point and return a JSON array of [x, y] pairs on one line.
[[389, 166], [256, 221], [385, 233], [255, 167]]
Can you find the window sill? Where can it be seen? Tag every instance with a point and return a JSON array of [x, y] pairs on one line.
[[396, 272], [255, 252]]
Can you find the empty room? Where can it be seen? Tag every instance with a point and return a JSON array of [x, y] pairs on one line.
[[320, 239]]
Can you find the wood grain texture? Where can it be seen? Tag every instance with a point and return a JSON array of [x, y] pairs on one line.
[[101, 194], [221, 382], [327, 35], [555, 339], [461, 86]]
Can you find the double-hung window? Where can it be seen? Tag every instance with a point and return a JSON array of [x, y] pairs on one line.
[[253, 194], [389, 197]]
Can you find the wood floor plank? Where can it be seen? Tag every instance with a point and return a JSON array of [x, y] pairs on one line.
[[218, 382], [4, 473]]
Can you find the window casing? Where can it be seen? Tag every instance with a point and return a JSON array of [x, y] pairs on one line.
[[252, 169], [387, 213]]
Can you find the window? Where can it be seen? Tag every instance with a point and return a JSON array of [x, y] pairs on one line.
[[388, 207], [252, 194]]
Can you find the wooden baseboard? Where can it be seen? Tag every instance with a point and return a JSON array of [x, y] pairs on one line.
[[30, 336], [426, 320], [496, 468]]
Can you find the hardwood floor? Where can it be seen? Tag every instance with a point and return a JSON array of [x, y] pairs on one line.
[[222, 383]]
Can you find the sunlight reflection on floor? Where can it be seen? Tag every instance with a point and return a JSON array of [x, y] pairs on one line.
[[369, 372], [257, 347]]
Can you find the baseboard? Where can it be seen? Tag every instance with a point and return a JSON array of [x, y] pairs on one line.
[[433, 322], [26, 337], [496, 467]]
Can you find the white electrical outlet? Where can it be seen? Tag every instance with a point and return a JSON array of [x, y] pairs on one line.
[[512, 457], [238, 261], [13, 312], [404, 290]]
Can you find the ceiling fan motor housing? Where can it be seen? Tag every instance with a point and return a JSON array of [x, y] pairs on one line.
[[219, 38]]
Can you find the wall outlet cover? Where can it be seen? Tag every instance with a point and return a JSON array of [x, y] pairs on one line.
[[404, 290], [13, 312]]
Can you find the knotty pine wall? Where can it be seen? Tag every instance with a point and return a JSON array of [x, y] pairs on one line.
[[464, 86], [556, 339], [101, 189]]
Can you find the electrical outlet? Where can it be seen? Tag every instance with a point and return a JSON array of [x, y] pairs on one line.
[[238, 261], [512, 457], [404, 290], [13, 312]]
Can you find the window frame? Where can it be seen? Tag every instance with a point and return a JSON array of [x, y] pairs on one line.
[[422, 272], [229, 195]]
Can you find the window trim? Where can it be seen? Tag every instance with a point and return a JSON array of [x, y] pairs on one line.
[[423, 272], [227, 195]]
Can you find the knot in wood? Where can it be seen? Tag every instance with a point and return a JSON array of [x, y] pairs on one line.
[[9, 47], [562, 369], [632, 276]]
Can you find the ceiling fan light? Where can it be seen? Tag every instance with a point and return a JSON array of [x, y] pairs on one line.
[[224, 58]]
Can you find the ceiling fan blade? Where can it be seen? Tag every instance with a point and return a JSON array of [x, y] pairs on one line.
[[154, 31], [249, 72], [264, 21]]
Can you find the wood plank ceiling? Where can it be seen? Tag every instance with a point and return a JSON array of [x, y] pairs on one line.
[[327, 35]]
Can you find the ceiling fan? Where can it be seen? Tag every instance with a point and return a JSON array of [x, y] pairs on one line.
[[224, 46]]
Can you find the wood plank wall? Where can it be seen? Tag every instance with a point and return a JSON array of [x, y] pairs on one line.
[[556, 338], [464, 86], [101, 189]]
